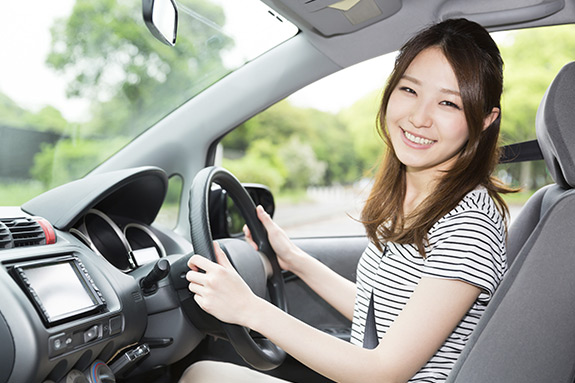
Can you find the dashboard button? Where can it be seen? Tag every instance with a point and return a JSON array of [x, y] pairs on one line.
[[116, 325], [59, 343], [92, 333]]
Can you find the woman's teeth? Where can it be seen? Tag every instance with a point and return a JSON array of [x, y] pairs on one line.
[[418, 140]]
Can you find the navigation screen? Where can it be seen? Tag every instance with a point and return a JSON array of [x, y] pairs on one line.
[[60, 289]]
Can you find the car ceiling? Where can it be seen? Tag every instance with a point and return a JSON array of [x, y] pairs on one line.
[[370, 28]]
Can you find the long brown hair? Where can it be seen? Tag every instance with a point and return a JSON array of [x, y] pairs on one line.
[[478, 67]]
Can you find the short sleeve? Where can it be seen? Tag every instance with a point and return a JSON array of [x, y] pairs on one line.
[[468, 246]]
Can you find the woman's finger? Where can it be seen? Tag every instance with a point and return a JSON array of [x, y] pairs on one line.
[[249, 238], [196, 277], [221, 257], [198, 262], [263, 215], [199, 300], [196, 288]]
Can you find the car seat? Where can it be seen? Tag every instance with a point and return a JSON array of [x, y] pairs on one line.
[[527, 333]]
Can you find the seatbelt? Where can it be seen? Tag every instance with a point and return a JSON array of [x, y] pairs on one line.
[[370, 339], [523, 151]]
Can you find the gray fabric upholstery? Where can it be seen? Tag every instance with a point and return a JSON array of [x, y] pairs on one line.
[[527, 333], [555, 127], [529, 218]]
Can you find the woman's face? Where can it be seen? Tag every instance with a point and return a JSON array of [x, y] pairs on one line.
[[425, 116]]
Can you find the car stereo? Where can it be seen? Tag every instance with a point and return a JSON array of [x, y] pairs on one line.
[[60, 288]]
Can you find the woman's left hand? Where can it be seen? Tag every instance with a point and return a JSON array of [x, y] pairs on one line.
[[219, 289]]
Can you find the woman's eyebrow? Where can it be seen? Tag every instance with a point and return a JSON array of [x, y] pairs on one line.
[[411, 79], [442, 90], [450, 91]]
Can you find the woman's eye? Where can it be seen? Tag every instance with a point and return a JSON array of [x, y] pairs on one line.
[[407, 89], [451, 104]]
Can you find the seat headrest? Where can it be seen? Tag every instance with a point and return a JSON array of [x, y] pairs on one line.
[[555, 127]]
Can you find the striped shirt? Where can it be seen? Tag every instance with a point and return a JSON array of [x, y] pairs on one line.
[[467, 244]]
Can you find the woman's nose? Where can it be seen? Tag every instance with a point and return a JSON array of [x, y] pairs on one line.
[[420, 116]]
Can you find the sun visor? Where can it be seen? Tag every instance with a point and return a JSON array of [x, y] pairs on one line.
[[336, 17], [500, 12]]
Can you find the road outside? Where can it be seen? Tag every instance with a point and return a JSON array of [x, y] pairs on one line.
[[330, 212]]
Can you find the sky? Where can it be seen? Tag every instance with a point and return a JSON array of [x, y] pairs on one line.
[[25, 50], [25, 35], [341, 89]]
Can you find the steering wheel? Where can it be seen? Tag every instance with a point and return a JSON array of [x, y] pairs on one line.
[[260, 270]]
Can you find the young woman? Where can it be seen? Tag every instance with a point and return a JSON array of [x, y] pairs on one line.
[[435, 222]]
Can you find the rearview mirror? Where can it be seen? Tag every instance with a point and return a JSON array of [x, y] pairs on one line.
[[161, 18]]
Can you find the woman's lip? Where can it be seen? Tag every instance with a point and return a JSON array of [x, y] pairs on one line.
[[417, 140]]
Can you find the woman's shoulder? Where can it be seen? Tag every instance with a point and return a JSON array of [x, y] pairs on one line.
[[477, 208], [477, 200], [468, 243]]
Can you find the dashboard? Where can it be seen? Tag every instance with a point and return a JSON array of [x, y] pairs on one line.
[[73, 261]]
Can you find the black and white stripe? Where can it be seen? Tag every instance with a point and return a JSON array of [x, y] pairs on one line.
[[467, 244]]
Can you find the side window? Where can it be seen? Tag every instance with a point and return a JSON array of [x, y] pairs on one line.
[[527, 75], [168, 215], [317, 149]]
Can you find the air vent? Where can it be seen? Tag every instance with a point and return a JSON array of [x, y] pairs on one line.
[[5, 236], [24, 231]]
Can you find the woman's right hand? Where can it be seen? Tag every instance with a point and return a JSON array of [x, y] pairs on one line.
[[284, 248]]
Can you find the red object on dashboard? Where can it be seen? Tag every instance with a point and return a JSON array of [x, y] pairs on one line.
[[48, 230]]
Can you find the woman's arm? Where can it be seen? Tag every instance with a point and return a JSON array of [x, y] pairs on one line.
[[336, 290], [433, 311]]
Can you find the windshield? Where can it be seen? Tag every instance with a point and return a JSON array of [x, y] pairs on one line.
[[80, 79]]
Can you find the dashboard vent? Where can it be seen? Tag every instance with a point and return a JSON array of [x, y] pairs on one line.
[[5, 236], [19, 232]]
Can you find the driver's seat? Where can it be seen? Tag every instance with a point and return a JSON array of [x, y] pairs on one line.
[[527, 333]]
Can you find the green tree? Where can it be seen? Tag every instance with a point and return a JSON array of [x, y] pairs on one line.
[[302, 164], [283, 119], [322, 138], [47, 119], [332, 144], [360, 120], [114, 61], [260, 164], [339, 148], [69, 159]]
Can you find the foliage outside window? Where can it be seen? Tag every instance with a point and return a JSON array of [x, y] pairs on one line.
[[168, 215], [87, 77]]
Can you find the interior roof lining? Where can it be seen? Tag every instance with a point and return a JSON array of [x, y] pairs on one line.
[[367, 42]]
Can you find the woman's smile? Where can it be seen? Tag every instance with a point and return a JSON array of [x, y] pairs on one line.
[[417, 140]]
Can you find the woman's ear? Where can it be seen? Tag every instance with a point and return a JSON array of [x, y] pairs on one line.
[[488, 120]]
